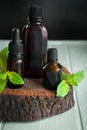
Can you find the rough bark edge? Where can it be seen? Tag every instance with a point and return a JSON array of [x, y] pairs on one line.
[[18, 108], [27, 108]]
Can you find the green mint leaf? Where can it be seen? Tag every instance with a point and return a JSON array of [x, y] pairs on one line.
[[3, 60], [62, 89], [15, 78], [79, 76], [64, 76], [3, 75], [75, 78], [4, 53], [1, 65], [71, 80], [2, 84]]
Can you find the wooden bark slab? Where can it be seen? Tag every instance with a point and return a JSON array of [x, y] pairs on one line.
[[32, 102]]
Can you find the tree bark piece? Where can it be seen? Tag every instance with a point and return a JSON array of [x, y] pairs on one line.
[[33, 102]]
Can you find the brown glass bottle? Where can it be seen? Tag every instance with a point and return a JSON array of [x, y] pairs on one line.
[[36, 45], [52, 74], [24, 37], [15, 55]]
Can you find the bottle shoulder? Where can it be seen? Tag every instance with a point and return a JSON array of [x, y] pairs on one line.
[[44, 31], [39, 25], [25, 26], [52, 67], [38, 28], [24, 29]]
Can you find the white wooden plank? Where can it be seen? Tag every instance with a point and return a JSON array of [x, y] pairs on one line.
[[79, 62], [1, 125], [3, 43]]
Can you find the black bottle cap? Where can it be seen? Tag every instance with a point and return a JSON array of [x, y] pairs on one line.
[[35, 12], [16, 46], [15, 35], [52, 54]]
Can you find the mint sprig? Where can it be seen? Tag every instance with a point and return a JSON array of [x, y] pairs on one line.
[[4, 53], [5, 75], [69, 80], [63, 89], [2, 84], [3, 60], [12, 76], [15, 78]]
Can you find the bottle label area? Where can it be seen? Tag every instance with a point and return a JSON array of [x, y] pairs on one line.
[[52, 79]]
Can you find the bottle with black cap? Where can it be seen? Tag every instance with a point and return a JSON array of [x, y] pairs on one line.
[[52, 70], [15, 55], [35, 45]]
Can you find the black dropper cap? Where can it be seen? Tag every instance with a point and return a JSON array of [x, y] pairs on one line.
[[16, 46], [35, 12], [52, 54]]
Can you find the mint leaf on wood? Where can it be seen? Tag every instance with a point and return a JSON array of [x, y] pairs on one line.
[[62, 89], [3, 60], [2, 84], [75, 78], [67, 80], [15, 78], [1, 65], [64, 76], [71, 80], [4, 53], [79, 76], [3, 75]]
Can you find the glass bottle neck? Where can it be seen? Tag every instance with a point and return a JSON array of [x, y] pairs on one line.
[[36, 20], [52, 62]]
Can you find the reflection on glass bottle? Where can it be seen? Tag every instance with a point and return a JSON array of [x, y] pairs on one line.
[[24, 37]]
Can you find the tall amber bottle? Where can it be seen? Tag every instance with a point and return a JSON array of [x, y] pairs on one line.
[[24, 37], [52, 70], [36, 44]]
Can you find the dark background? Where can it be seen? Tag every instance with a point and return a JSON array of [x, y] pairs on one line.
[[64, 19]]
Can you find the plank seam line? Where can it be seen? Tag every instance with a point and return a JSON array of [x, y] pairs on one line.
[[2, 126], [75, 92]]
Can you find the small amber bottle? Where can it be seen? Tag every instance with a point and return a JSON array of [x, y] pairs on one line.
[[52, 72], [15, 55]]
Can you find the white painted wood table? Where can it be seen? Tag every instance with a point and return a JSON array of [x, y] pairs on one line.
[[73, 55]]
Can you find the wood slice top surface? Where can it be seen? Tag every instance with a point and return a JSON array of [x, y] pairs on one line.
[[32, 87]]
